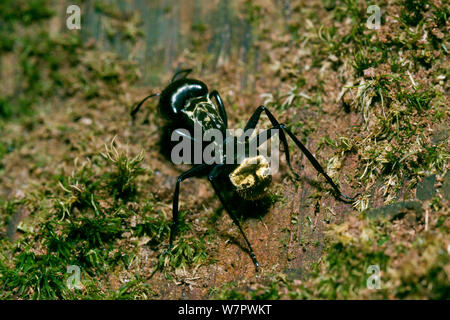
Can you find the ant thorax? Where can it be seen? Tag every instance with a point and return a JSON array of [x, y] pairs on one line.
[[203, 112], [252, 177]]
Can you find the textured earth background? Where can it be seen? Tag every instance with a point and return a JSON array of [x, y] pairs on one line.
[[81, 185]]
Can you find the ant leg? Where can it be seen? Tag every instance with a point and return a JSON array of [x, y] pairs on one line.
[[173, 229], [195, 171], [212, 177], [251, 124], [222, 110], [317, 166], [265, 135], [183, 72]]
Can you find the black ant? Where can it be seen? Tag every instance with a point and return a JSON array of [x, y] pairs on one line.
[[186, 102]]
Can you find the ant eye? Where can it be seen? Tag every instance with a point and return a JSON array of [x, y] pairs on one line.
[[252, 177]]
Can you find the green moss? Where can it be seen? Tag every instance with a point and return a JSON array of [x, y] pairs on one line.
[[345, 271], [121, 180], [413, 11]]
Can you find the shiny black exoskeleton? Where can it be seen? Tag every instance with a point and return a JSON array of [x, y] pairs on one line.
[[187, 102]]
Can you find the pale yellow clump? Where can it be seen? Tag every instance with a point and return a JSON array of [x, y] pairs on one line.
[[252, 177]]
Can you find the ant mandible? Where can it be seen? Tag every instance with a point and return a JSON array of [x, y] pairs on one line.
[[186, 102]]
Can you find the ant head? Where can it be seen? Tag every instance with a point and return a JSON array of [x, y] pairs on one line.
[[174, 97]]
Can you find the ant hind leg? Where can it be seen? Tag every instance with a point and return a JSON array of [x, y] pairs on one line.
[[212, 178]]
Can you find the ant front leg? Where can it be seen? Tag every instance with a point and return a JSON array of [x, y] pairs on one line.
[[212, 178], [276, 125]]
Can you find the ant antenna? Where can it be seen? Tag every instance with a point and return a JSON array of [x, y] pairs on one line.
[[183, 72], [138, 106]]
